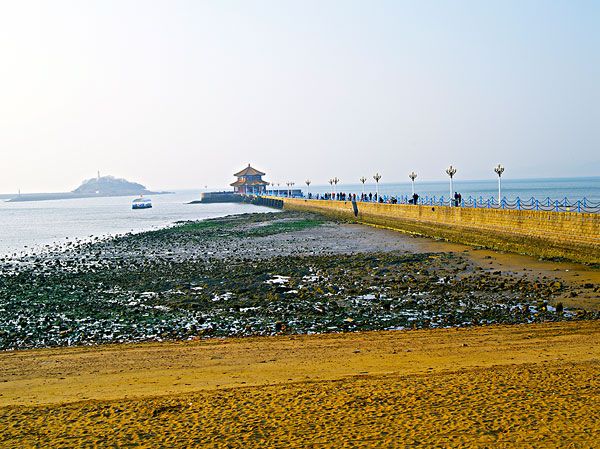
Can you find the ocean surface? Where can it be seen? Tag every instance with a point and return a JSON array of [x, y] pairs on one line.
[[29, 226], [556, 189]]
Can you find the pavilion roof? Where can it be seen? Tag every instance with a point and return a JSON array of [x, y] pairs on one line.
[[249, 171], [254, 182]]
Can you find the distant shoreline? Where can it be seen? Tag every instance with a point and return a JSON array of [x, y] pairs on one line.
[[69, 195]]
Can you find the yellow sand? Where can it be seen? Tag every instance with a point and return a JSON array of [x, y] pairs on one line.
[[499, 386]]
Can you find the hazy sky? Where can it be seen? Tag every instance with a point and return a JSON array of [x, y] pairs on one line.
[[179, 94]]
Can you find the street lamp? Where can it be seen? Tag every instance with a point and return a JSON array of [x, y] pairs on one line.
[[278, 192], [377, 177], [363, 180], [335, 181], [412, 177], [308, 186], [331, 184], [451, 171], [499, 170]]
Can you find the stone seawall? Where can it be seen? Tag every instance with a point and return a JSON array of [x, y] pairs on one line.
[[570, 235], [219, 197]]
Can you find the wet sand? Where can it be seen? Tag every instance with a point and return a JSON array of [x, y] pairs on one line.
[[498, 386], [576, 275]]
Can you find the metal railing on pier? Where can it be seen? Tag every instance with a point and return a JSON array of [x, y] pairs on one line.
[[552, 205], [547, 204]]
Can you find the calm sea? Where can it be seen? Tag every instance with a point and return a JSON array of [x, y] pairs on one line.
[[31, 225], [557, 189]]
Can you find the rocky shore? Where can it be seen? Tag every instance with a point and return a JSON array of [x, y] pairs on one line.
[[260, 274]]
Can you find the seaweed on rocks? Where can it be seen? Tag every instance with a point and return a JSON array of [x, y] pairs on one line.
[[238, 276]]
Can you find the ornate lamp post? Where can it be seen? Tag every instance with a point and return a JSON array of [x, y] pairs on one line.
[[278, 192], [335, 182], [499, 170], [308, 186], [331, 184], [377, 177], [451, 171], [412, 177], [363, 180]]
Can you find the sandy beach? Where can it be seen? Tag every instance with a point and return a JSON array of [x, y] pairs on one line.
[[275, 330], [498, 386]]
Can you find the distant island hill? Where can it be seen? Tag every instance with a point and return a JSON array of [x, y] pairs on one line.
[[100, 186], [249, 182]]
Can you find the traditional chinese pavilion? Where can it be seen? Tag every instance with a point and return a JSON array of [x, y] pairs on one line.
[[249, 181]]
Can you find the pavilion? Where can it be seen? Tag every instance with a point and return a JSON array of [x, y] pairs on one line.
[[249, 181]]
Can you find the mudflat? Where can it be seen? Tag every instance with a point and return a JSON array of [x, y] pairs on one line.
[[535, 385]]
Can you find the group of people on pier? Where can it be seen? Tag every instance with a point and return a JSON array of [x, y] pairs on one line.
[[368, 197], [456, 200]]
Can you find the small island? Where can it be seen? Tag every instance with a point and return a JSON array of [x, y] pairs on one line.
[[100, 186]]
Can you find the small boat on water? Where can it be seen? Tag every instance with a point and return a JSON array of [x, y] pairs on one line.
[[141, 203]]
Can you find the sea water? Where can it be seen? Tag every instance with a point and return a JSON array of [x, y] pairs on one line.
[[29, 226]]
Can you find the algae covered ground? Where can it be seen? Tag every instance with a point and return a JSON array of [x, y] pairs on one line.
[[256, 274]]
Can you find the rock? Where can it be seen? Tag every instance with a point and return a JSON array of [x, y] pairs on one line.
[[559, 307]]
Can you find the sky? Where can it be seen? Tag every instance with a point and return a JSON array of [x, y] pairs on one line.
[[182, 94]]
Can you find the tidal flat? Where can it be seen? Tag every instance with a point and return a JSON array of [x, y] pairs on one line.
[[259, 274]]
